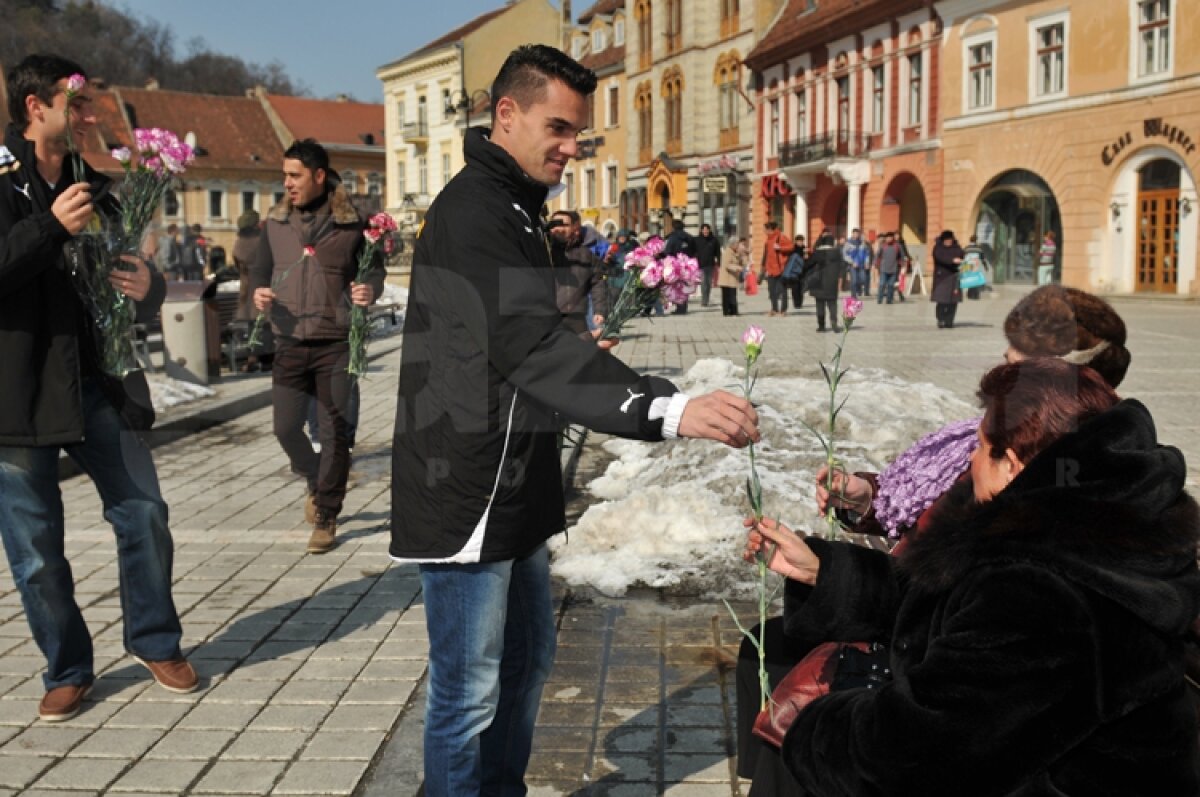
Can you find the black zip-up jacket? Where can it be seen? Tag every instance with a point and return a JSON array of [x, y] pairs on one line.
[[46, 344], [485, 364]]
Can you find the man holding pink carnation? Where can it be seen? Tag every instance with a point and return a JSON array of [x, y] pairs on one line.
[[486, 365], [55, 396], [306, 279]]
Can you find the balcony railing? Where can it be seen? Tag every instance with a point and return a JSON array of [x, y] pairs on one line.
[[827, 147], [415, 132]]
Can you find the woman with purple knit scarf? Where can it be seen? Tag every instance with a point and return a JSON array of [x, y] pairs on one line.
[[1052, 321]]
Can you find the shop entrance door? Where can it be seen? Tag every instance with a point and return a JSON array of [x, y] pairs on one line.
[[1158, 228]]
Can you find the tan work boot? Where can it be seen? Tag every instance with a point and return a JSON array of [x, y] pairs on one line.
[[310, 509], [323, 532]]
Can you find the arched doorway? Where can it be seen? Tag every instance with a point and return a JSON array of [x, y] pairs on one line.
[[904, 212], [1015, 211], [1158, 227]]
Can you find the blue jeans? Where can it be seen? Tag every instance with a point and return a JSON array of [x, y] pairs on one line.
[[31, 525], [887, 286], [491, 647], [860, 282]]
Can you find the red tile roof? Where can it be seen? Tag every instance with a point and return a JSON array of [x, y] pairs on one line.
[[331, 122], [110, 132], [603, 61], [605, 7], [233, 132], [800, 28]]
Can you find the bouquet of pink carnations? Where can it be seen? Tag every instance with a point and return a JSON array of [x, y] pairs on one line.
[[378, 235], [103, 247], [652, 277]]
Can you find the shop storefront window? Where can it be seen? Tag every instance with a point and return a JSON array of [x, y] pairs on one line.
[[1015, 212]]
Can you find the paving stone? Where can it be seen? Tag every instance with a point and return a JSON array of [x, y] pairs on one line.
[[321, 777], [118, 743], [149, 715], [41, 739], [344, 745], [218, 716], [371, 693], [317, 692], [182, 744], [240, 777], [18, 712], [83, 773], [696, 768], [394, 670], [156, 775], [286, 718], [329, 669], [16, 772], [368, 718]]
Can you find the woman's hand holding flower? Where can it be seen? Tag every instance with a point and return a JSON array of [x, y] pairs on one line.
[[790, 556], [849, 492]]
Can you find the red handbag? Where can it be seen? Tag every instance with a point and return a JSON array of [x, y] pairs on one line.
[[811, 678], [751, 284]]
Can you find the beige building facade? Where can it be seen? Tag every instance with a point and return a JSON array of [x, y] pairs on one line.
[[595, 180], [690, 141], [434, 94], [1080, 118]]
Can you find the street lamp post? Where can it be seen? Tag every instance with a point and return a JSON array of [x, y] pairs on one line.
[[465, 103]]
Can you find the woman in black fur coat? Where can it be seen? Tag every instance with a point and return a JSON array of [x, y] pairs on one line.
[[1036, 623]]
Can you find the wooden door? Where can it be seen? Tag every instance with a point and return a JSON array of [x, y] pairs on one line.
[[1158, 241]]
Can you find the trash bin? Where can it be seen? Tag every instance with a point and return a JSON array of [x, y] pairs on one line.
[[188, 332]]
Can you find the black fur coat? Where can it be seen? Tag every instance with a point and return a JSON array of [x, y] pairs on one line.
[[1036, 640]]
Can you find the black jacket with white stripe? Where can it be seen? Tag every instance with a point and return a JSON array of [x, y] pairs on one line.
[[486, 363]]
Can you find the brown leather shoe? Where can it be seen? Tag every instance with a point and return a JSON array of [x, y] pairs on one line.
[[323, 533], [174, 675], [310, 509], [63, 702]]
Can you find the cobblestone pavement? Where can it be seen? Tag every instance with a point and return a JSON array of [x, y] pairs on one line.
[[310, 664]]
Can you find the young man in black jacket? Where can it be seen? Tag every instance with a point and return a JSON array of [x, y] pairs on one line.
[[486, 364], [54, 397]]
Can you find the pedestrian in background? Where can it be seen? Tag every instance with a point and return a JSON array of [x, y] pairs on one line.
[[730, 274], [776, 249], [578, 275], [887, 263], [679, 242], [708, 255], [975, 258], [857, 254], [304, 279], [166, 254], [947, 259], [1047, 258], [825, 269], [486, 365], [193, 253], [55, 398], [794, 271]]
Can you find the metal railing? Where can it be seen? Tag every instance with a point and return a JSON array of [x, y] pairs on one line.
[[827, 147]]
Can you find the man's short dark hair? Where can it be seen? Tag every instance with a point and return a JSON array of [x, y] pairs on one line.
[[570, 214], [36, 75], [677, 224], [772, 225], [310, 153], [528, 69]]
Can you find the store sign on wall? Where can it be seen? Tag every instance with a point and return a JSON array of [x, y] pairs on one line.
[[1151, 129]]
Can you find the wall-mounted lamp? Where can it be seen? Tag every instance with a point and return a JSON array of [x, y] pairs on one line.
[[1185, 206]]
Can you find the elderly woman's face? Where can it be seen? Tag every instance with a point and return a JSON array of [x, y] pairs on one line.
[[990, 475], [1013, 355]]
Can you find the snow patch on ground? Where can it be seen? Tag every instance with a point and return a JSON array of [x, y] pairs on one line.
[[166, 392], [670, 515]]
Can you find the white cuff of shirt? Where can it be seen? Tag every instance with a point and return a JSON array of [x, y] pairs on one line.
[[670, 410]]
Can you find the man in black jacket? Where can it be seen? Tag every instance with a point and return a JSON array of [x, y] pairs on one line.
[[54, 397], [578, 271], [708, 255], [476, 483]]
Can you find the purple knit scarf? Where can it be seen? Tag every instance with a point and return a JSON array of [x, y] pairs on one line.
[[923, 473]]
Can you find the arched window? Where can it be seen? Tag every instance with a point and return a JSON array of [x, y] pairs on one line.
[[726, 75], [674, 25], [643, 104], [641, 13], [672, 93], [730, 11]]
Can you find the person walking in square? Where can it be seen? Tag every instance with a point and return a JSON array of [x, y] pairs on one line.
[[730, 274], [776, 249], [486, 370], [708, 255], [888, 263], [947, 259], [54, 397], [304, 278], [824, 274], [857, 254]]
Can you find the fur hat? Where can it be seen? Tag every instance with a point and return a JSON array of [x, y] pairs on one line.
[[1066, 322], [248, 220]]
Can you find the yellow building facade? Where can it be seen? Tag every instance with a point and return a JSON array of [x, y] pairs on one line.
[[1079, 118]]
